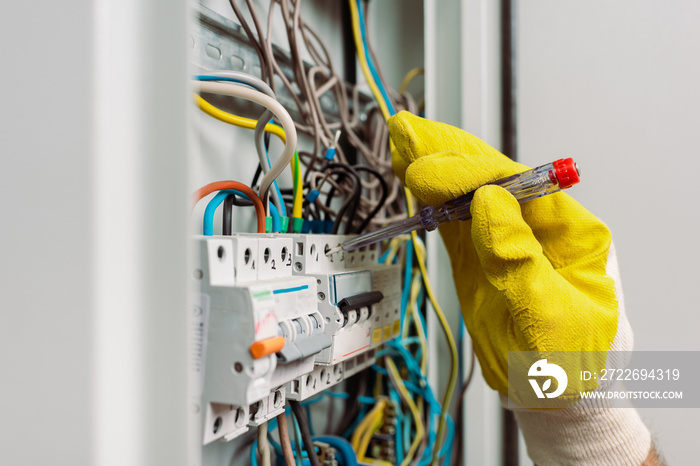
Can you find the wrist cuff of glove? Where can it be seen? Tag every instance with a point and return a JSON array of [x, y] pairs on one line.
[[600, 436]]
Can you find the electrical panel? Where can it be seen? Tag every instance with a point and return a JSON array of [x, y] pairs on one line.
[[278, 319], [282, 320]]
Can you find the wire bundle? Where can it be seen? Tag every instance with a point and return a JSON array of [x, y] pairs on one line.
[[332, 195]]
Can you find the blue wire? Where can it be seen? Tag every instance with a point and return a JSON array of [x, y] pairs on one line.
[[384, 256], [407, 278], [399, 427], [208, 221], [370, 63], [276, 221], [308, 420], [356, 422], [342, 446], [223, 78], [446, 449], [253, 456]]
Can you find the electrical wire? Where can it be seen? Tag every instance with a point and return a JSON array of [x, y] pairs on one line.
[[248, 123], [305, 433], [281, 115], [454, 370], [235, 185], [460, 403], [257, 45], [364, 431], [380, 202], [367, 202], [395, 378], [362, 57], [236, 120], [349, 208], [208, 220], [285, 442], [238, 77], [227, 218], [420, 330], [263, 445], [297, 442], [410, 76], [370, 58]]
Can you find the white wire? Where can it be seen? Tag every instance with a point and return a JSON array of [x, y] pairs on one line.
[[280, 114], [263, 445], [244, 78], [260, 85]]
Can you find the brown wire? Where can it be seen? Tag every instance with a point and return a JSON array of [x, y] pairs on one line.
[[285, 442]]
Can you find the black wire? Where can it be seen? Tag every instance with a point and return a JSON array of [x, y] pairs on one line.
[[228, 215], [305, 432], [266, 140], [258, 172], [349, 208], [230, 201], [356, 386], [310, 210], [382, 199], [315, 210], [343, 208]]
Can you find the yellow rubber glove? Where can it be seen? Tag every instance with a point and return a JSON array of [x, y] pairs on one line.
[[532, 277]]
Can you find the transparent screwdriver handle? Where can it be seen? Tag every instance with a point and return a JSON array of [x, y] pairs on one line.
[[525, 186]]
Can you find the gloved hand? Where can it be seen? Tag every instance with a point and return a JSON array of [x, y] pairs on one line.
[[541, 276]]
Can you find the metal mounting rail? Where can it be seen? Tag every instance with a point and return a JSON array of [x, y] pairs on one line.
[[220, 44]]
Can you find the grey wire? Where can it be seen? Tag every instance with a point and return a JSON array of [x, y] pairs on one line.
[[245, 78], [259, 85]]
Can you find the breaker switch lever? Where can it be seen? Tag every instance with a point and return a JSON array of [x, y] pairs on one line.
[[353, 303], [267, 347]]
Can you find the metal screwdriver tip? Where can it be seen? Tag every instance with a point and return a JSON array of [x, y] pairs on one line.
[[334, 250]]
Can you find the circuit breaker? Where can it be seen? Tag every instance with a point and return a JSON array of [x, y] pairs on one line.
[[278, 319]]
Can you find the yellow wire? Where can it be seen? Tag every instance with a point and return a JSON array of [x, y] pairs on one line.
[[394, 246], [376, 422], [249, 123], [419, 254], [236, 120], [363, 60], [376, 462], [360, 430], [298, 195], [413, 309], [366, 425], [452, 382], [410, 76], [406, 397]]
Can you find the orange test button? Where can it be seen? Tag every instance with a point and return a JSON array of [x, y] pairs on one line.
[[266, 347]]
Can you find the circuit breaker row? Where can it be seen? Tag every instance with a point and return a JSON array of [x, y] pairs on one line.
[[277, 318]]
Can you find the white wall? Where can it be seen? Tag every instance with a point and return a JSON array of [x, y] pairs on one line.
[[614, 84], [92, 257], [45, 257]]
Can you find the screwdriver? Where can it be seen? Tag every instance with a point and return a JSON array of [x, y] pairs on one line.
[[525, 186]]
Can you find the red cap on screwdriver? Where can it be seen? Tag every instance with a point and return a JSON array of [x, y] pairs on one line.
[[567, 172]]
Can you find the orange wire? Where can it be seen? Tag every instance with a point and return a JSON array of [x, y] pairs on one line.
[[219, 185]]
